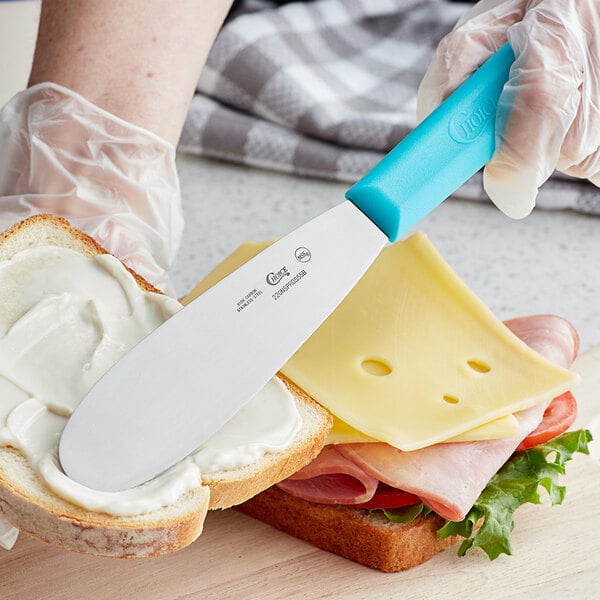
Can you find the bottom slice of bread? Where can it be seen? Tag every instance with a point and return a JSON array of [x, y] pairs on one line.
[[357, 534]]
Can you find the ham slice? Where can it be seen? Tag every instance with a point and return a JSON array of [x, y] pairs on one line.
[[551, 336], [448, 477], [331, 479]]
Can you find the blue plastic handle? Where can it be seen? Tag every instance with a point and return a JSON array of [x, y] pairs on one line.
[[438, 156]]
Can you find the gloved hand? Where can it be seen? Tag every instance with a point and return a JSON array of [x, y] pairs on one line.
[[549, 111], [63, 155]]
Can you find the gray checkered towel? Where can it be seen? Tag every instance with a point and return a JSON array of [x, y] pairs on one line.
[[325, 88]]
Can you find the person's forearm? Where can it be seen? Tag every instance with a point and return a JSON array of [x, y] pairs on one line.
[[138, 59]]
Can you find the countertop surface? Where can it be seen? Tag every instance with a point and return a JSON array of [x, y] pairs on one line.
[[546, 263]]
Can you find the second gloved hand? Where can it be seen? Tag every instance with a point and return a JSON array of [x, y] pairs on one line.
[[549, 111]]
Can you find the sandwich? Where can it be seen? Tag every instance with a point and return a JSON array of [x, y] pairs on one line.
[[446, 420], [68, 311]]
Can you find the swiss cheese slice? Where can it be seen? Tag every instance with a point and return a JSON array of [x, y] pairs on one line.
[[411, 356], [504, 427]]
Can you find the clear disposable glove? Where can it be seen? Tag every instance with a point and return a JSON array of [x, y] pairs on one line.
[[8, 534], [63, 155], [549, 112]]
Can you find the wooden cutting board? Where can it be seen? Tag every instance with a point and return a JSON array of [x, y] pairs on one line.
[[556, 553]]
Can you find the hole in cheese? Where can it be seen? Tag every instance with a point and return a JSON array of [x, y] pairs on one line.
[[451, 399], [479, 365], [376, 366]]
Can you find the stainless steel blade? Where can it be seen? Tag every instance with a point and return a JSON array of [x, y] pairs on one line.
[[181, 383]]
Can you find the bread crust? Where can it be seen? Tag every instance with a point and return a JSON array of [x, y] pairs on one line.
[[356, 534], [29, 505], [49, 230]]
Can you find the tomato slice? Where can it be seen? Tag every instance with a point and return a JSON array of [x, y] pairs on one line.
[[558, 417], [387, 496]]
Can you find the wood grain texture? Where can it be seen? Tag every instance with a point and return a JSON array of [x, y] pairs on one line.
[[556, 553]]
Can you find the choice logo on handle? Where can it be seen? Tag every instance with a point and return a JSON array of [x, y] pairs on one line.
[[467, 126]]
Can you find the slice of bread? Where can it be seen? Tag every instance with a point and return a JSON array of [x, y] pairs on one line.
[[358, 534], [29, 505], [234, 487]]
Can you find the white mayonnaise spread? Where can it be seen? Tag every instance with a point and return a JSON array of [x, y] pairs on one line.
[[64, 320]]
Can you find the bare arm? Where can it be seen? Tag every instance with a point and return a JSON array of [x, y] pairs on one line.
[[138, 59]]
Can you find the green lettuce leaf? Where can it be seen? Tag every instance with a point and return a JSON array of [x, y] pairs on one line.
[[516, 483], [406, 514]]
